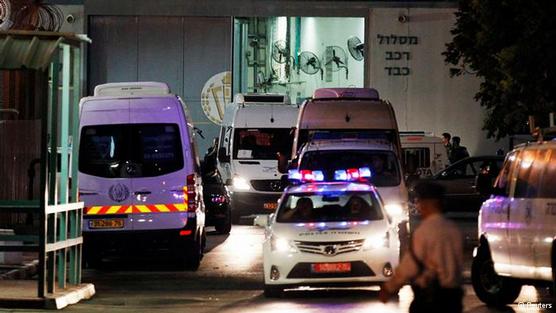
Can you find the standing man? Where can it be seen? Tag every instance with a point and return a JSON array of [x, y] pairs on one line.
[[433, 265], [447, 144], [458, 152]]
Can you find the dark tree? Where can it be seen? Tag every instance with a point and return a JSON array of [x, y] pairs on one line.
[[511, 46]]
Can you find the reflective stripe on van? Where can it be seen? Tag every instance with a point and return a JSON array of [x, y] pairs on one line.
[[131, 209]]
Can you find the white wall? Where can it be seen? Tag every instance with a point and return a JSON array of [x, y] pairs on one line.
[[427, 98]]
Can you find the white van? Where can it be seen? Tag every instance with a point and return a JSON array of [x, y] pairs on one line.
[[139, 173], [517, 226], [427, 152], [256, 128], [350, 122], [352, 118], [357, 111]]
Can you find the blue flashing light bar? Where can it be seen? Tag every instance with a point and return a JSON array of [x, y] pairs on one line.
[[294, 175], [351, 174]]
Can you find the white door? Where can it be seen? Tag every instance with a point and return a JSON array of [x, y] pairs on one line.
[[523, 211], [545, 220]]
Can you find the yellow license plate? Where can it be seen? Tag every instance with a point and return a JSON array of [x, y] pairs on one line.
[[107, 223], [270, 205]]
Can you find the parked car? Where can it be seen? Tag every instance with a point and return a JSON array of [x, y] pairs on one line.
[[217, 202], [460, 180]]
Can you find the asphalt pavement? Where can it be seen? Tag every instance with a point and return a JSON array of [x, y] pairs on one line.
[[230, 280]]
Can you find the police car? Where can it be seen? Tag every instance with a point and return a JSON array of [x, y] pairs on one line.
[[329, 233]]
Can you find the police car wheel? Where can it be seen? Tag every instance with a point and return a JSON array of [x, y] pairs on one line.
[[273, 291], [492, 289]]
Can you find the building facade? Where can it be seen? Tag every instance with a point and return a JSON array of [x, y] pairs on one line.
[[208, 50]]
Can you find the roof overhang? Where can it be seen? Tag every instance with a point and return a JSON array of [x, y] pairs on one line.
[[33, 49]]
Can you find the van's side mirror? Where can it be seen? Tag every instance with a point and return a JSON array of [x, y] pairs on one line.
[[282, 163], [223, 156]]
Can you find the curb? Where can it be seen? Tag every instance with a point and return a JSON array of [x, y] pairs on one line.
[[82, 292], [56, 301]]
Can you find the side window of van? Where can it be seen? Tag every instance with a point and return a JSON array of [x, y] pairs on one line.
[[547, 189], [529, 173], [421, 156]]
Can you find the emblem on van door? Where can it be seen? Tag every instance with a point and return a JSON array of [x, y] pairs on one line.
[[118, 192], [330, 250]]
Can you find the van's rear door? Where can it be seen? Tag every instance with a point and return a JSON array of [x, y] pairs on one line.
[[104, 185], [160, 155]]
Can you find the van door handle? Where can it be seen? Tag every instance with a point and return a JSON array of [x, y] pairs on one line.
[[142, 193], [88, 193]]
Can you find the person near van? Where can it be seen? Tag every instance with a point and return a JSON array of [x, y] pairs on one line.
[[209, 161], [433, 265], [458, 152], [446, 137]]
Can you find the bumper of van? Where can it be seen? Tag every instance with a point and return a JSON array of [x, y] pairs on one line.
[[138, 240], [252, 203]]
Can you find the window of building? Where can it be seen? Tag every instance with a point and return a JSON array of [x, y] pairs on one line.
[[296, 55]]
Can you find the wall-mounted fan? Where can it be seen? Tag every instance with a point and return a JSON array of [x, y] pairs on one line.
[[309, 63], [356, 48], [280, 51], [335, 59], [5, 12]]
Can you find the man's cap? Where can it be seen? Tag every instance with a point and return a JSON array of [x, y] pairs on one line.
[[428, 190]]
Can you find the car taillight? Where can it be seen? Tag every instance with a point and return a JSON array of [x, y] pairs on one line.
[[190, 193]]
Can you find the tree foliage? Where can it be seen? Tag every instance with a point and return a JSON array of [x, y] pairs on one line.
[[511, 46]]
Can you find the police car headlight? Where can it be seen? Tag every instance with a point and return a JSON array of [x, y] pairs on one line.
[[377, 242], [281, 245], [394, 209], [240, 183]]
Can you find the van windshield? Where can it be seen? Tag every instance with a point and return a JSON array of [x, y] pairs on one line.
[[130, 150], [383, 164], [262, 143], [329, 207]]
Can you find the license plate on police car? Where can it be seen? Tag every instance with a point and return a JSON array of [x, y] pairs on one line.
[[270, 205], [106, 223], [331, 267]]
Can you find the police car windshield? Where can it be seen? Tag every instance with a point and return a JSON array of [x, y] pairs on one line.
[[329, 207], [383, 164], [261, 143]]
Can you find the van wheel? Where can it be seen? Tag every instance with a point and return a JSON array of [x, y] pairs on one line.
[[492, 289], [271, 291], [224, 226], [194, 254], [188, 253], [92, 257]]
